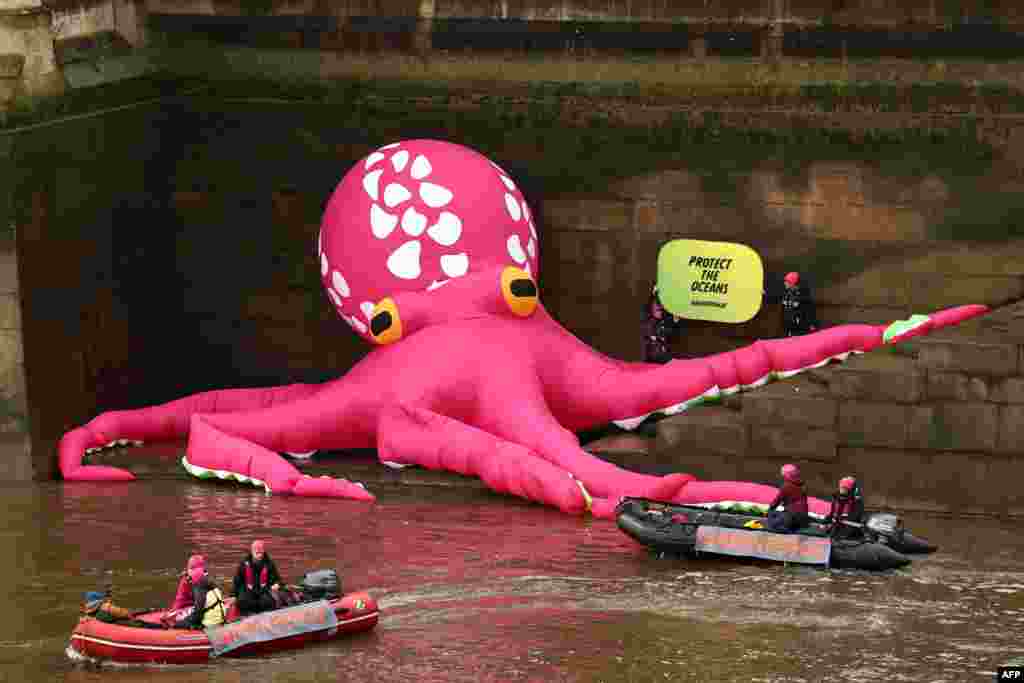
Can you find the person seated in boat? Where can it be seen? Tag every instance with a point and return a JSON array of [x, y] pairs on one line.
[[182, 604], [208, 602], [847, 509], [793, 500], [98, 605], [257, 581]]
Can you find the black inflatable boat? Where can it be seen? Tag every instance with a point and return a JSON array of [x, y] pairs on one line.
[[880, 543]]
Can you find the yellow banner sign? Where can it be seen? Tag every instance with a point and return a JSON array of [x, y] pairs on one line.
[[717, 281]]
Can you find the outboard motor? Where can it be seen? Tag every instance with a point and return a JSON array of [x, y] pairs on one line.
[[322, 584], [887, 526]]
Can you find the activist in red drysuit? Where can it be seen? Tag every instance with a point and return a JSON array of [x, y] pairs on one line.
[[183, 598], [256, 581], [793, 500]]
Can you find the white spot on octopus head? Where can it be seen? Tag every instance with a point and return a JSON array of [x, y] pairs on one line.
[[435, 284], [420, 168], [367, 308], [447, 230], [324, 266], [404, 262], [338, 280], [513, 206], [413, 222], [372, 159], [395, 194], [531, 248], [515, 249], [381, 222], [455, 265], [399, 160], [435, 196], [371, 183], [508, 183], [526, 210], [357, 324], [391, 146], [334, 297]]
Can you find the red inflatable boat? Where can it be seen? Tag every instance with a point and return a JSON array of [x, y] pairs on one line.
[[98, 640]]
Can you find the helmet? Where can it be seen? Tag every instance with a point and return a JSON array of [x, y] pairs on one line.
[[792, 278], [196, 574], [847, 483], [196, 561], [791, 473]]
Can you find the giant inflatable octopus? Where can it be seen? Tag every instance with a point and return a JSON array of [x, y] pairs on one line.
[[428, 250]]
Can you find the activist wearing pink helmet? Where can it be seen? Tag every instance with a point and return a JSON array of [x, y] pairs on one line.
[[195, 561], [792, 278], [196, 574], [791, 473], [847, 483]]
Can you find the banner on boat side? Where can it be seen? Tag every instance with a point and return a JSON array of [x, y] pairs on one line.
[[717, 281], [279, 623], [764, 545]]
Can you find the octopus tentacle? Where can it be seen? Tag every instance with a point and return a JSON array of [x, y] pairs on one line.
[[560, 447], [213, 453], [166, 422], [416, 435], [628, 393]]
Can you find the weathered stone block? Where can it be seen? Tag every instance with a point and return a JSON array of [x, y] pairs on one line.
[[878, 287], [956, 386], [675, 185], [792, 443], [969, 357], [588, 214], [710, 429], [1011, 429], [875, 385], [1008, 390], [953, 426], [797, 402], [15, 458], [873, 424], [11, 66], [942, 482], [10, 312]]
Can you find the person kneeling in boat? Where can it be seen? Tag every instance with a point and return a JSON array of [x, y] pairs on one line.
[[99, 606], [257, 582], [207, 600], [793, 499], [182, 605], [846, 514]]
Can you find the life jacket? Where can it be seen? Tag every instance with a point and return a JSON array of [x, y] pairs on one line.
[[214, 613], [250, 579]]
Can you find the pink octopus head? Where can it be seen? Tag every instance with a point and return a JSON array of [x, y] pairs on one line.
[[415, 215]]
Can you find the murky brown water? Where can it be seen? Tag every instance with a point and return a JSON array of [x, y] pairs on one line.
[[474, 587]]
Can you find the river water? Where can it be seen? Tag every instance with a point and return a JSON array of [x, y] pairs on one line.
[[477, 587]]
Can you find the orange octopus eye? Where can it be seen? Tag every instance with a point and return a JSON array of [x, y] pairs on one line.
[[519, 291], [385, 323]]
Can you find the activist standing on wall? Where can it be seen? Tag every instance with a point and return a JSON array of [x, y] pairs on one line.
[[658, 328], [798, 315]]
